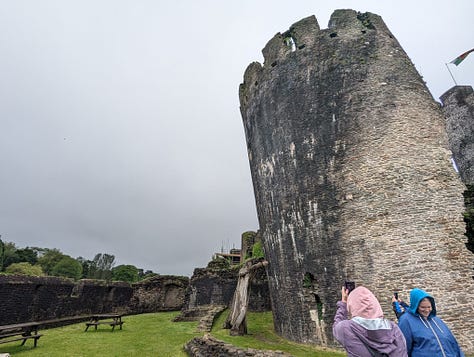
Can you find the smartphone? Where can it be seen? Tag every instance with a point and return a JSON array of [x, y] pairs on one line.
[[349, 285], [396, 295]]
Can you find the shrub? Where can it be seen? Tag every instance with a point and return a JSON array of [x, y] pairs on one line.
[[68, 267], [24, 268]]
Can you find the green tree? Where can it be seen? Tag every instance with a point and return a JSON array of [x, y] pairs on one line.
[[142, 275], [24, 268], [101, 266], [10, 254], [127, 273], [2, 253], [27, 255], [49, 258], [86, 267], [67, 267]]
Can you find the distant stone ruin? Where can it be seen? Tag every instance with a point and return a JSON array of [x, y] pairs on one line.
[[215, 286], [352, 176]]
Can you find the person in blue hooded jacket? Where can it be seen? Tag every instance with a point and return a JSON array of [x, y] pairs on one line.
[[425, 333]]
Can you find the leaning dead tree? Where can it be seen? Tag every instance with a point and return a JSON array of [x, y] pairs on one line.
[[236, 321]]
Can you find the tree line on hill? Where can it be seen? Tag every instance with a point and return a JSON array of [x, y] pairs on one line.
[[36, 261]]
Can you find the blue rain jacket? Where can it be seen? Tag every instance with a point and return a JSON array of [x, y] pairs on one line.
[[427, 337]]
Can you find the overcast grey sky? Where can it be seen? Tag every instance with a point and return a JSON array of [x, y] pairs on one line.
[[120, 126]]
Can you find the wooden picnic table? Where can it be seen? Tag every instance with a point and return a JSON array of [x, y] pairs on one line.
[[105, 319], [20, 332]]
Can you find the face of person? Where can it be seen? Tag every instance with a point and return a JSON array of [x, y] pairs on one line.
[[425, 308]]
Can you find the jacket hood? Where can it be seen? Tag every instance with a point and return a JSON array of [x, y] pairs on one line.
[[362, 303], [416, 295]]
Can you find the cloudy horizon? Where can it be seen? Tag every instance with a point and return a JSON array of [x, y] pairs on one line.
[[120, 123]]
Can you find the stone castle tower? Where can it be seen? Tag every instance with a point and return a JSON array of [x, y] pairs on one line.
[[458, 108], [352, 177]]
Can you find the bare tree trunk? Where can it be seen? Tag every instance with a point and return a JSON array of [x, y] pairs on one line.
[[236, 320]]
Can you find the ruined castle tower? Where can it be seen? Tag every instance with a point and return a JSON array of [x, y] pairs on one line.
[[458, 108], [352, 177]]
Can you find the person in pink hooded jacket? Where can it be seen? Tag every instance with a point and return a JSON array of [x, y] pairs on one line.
[[367, 333]]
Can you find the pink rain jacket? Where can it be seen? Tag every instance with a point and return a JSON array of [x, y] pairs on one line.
[[366, 326]]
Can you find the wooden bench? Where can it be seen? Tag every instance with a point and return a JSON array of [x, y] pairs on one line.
[[96, 320], [20, 332]]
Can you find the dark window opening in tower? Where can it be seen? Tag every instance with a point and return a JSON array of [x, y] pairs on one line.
[[290, 42], [308, 280]]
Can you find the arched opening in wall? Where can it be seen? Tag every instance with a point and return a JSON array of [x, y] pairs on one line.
[[317, 314], [110, 293], [315, 306], [172, 297], [290, 42], [192, 297], [319, 306]]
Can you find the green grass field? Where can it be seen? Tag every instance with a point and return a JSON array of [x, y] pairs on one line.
[[155, 335], [142, 335], [262, 336]]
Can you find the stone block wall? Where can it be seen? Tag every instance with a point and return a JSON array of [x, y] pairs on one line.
[[160, 293], [458, 108], [217, 287], [352, 176], [24, 298], [248, 239], [211, 287], [207, 346]]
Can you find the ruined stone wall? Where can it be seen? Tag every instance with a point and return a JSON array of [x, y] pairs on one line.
[[469, 216], [352, 176], [211, 287], [216, 287], [25, 298], [248, 239], [159, 293], [207, 346], [458, 108]]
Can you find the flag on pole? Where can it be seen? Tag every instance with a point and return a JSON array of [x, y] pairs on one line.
[[461, 58]]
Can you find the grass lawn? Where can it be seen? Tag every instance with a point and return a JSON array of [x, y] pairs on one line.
[[262, 336], [142, 335], [155, 335]]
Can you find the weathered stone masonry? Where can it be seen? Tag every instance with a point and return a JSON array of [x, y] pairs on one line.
[[352, 176], [458, 108], [25, 298]]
